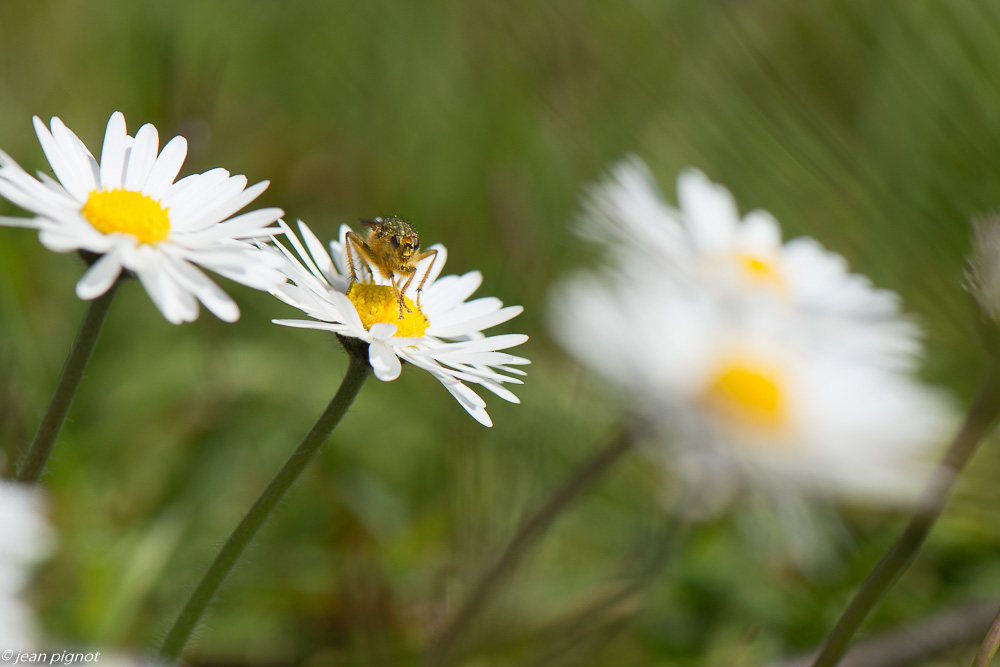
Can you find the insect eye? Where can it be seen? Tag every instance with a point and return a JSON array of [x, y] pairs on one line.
[[394, 242]]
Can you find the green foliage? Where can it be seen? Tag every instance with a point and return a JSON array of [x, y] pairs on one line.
[[869, 125]]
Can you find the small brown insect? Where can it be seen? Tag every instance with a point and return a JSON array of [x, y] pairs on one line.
[[393, 246]]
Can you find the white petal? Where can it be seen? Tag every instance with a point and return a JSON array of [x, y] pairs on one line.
[[471, 401], [382, 330], [174, 303], [186, 196], [142, 157], [99, 277], [253, 224], [450, 291], [319, 255], [165, 169], [384, 361], [206, 291], [61, 164], [31, 223], [113, 152], [226, 200], [78, 157], [710, 212]]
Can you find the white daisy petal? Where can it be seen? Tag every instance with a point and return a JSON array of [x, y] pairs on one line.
[[30, 223], [113, 153], [100, 277], [61, 163], [321, 259], [141, 158], [246, 226], [384, 361], [223, 197], [382, 330], [471, 401], [78, 158], [165, 168], [206, 291], [193, 193], [177, 304]]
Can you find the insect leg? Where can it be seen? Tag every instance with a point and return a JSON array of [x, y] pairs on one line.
[[433, 253], [355, 240], [399, 294]]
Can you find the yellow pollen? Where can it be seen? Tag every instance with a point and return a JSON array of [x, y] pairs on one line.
[[128, 212], [748, 396], [378, 303], [759, 269]]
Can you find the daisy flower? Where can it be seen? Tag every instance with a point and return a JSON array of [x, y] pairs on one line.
[[440, 332], [755, 360], [749, 397], [128, 210], [24, 540], [708, 248]]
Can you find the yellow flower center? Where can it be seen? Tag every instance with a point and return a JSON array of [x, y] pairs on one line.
[[128, 212], [379, 303], [759, 269], [747, 396]]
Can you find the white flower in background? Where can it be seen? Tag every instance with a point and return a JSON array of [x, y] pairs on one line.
[[128, 210], [754, 361], [24, 540], [707, 248], [750, 398], [442, 336]]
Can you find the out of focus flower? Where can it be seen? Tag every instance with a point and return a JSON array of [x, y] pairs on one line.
[[750, 399], [128, 210], [755, 362], [24, 540], [442, 336], [709, 249]]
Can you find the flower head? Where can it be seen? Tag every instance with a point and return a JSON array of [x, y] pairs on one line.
[[707, 248], [440, 331], [24, 540], [128, 210], [717, 332]]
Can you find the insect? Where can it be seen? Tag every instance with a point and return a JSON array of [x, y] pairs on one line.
[[393, 247]]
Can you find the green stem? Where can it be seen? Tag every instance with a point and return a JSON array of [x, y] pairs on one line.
[[357, 373], [525, 536], [988, 649], [980, 418], [33, 463]]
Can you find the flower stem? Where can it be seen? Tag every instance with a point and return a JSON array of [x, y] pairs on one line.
[[991, 642], [980, 418], [33, 463], [529, 531], [357, 373]]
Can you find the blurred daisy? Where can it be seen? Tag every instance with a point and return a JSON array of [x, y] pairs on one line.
[[128, 210], [442, 336], [755, 360], [707, 248], [751, 398], [24, 540]]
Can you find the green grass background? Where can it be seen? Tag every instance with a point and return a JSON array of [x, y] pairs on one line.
[[873, 126]]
